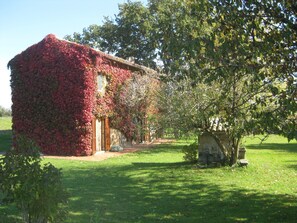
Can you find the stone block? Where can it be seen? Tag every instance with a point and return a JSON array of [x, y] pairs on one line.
[[116, 148], [209, 150], [243, 162], [241, 153]]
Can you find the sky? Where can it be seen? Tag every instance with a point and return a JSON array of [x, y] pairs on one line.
[[26, 22]]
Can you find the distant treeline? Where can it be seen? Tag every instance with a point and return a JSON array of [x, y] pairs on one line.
[[4, 112]]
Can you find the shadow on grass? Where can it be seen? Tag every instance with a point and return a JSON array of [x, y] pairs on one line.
[[286, 147], [149, 192], [160, 166], [127, 194], [137, 194], [292, 164], [112, 196], [5, 140], [9, 215]]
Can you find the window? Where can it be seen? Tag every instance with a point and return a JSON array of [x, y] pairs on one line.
[[101, 83]]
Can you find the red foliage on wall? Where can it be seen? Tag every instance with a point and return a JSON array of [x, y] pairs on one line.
[[116, 76], [54, 94]]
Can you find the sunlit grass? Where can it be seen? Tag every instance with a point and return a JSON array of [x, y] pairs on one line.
[[5, 123]]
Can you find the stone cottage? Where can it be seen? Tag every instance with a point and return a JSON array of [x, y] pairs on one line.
[[209, 152], [65, 98]]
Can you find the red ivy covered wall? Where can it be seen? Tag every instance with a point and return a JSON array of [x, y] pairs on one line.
[[54, 94]]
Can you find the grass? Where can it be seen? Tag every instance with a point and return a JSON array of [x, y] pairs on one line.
[[5, 133], [156, 185]]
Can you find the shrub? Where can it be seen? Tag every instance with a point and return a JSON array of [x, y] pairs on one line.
[[36, 190], [191, 152]]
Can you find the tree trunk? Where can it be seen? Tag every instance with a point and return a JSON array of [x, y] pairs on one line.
[[176, 133], [235, 150], [234, 156]]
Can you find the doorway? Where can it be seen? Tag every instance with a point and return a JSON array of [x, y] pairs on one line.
[[101, 135]]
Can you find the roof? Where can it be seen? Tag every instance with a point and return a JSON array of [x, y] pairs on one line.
[[132, 65], [127, 63]]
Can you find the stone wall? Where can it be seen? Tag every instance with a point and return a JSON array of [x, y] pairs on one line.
[[209, 151], [117, 138]]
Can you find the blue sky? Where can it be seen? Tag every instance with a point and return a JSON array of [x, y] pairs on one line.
[[26, 22]]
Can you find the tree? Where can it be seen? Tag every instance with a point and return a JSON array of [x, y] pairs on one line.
[[4, 112], [135, 102], [246, 49], [235, 47], [127, 36]]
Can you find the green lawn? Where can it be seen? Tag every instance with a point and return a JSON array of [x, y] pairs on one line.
[[157, 186], [5, 133]]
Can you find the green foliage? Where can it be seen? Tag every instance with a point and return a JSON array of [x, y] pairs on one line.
[[4, 112], [126, 36], [235, 52], [190, 152], [187, 107], [36, 190], [259, 53]]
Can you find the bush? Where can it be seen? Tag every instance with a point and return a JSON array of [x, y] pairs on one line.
[[36, 190], [191, 152]]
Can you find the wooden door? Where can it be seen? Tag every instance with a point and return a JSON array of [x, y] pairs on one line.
[[97, 139], [101, 134], [94, 135], [106, 134]]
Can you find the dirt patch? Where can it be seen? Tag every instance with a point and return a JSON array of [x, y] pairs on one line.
[[106, 155]]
